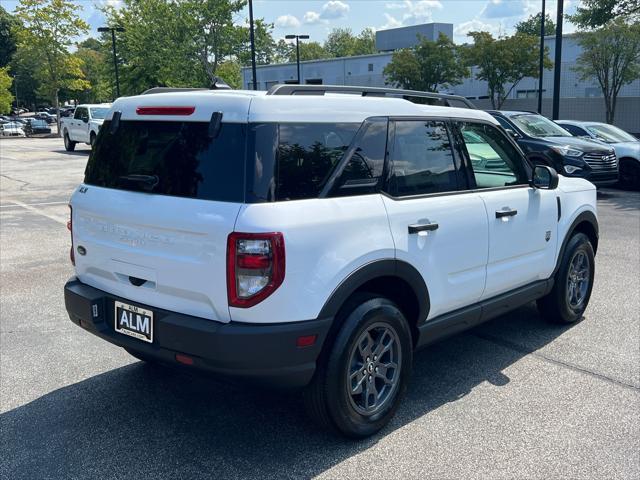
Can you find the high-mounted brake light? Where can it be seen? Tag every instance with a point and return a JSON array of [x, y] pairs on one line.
[[255, 267], [165, 110], [72, 256]]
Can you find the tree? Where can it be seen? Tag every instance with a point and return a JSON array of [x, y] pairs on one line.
[[429, 66], [504, 61], [531, 25], [308, 51], [596, 13], [341, 42], [94, 68], [47, 31], [5, 91], [611, 55], [8, 25], [230, 72]]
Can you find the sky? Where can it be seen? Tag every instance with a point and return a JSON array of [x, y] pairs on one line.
[[318, 18]]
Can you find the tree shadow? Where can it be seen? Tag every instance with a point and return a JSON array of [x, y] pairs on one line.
[[624, 200], [143, 421]]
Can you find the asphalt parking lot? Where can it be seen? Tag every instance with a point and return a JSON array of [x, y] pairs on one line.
[[514, 398]]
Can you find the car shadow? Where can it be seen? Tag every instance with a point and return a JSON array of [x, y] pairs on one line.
[[81, 153], [144, 421]]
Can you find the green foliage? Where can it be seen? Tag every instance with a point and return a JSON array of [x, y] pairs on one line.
[[94, 70], [503, 61], [428, 67], [8, 26], [341, 42], [308, 51], [531, 25], [611, 55], [43, 41], [5, 91], [596, 13], [229, 71]]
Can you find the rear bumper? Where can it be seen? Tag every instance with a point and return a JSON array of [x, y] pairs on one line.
[[264, 354]]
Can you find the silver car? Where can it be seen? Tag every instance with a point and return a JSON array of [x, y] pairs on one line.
[[627, 146]]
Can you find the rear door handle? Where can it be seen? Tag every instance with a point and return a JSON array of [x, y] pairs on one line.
[[422, 227], [509, 212]]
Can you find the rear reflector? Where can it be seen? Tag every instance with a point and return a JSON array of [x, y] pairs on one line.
[[165, 110], [306, 341], [184, 359]]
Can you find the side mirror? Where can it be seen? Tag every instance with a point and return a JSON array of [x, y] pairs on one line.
[[85, 119], [544, 178], [513, 133]]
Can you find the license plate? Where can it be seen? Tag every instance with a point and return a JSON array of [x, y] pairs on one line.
[[134, 321]]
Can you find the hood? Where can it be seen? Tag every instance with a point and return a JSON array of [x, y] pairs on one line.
[[579, 144], [98, 121], [627, 149]]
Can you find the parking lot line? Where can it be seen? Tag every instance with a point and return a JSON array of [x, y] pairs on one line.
[[38, 211], [31, 204]]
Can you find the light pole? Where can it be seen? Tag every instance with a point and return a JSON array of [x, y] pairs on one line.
[[113, 31], [541, 73], [558, 62], [298, 38], [253, 46]]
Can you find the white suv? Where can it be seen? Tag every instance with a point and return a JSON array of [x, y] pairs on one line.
[[316, 236]]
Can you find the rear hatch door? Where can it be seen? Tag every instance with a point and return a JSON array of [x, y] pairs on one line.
[[159, 199]]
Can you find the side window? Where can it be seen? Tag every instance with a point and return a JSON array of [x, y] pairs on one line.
[[306, 155], [494, 160], [363, 171], [421, 159], [576, 131], [505, 124], [81, 114]]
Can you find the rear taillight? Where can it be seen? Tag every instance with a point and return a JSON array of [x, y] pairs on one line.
[[70, 228], [255, 267]]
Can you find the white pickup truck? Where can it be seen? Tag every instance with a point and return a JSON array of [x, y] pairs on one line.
[[84, 125]]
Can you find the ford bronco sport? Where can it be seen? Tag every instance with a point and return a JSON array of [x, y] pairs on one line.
[[316, 236]]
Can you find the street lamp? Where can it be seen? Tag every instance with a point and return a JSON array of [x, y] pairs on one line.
[[298, 38], [253, 46], [541, 72], [113, 31]]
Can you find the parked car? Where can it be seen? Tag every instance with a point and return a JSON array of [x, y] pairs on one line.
[[84, 125], [36, 126], [67, 112], [546, 143], [627, 146], [47, 117], [11, 129], [316, 242]]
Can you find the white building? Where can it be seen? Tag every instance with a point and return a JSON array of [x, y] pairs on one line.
[[580, 100]]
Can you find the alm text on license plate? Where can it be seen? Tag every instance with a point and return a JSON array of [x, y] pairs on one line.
[[134, 321]]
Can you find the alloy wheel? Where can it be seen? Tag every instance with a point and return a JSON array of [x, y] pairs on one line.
[[374, 369]]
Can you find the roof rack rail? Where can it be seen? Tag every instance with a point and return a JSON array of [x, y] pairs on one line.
[[170, 90], [448, 100], [217, 84]]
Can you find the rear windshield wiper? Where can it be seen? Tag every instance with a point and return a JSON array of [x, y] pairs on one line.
[[147, 182]]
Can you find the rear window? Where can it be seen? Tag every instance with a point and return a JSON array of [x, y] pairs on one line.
[[170, 158]]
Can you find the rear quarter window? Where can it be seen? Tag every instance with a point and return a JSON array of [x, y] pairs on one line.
[[170, 158]]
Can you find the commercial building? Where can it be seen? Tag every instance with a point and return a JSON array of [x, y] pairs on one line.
[[581, 100]]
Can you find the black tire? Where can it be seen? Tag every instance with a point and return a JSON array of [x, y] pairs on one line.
[[630, 174], [569, 298], [328, 398], [92, 139], [69, 146]]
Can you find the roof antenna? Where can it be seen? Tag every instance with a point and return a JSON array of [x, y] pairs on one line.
[[219, 84]]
